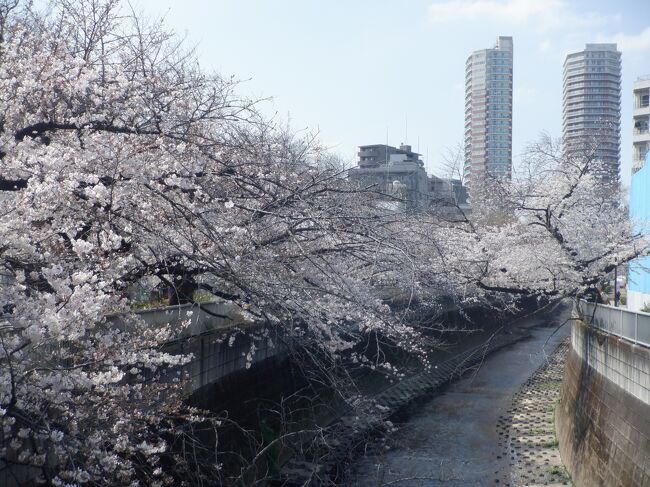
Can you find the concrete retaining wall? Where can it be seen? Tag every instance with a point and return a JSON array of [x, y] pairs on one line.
[[220, 341], [220, 353], [603, 418], [206, 317]]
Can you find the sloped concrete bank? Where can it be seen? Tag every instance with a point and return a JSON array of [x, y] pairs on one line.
[[603, 418], [352, 435], [451, 438]]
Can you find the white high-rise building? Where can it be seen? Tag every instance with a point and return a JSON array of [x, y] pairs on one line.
[[591, 115], [641, 129], [488, 113]]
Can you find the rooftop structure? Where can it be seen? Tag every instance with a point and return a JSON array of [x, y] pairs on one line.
[[377, 154], [392, 171]]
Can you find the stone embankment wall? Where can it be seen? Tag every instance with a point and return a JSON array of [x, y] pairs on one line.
[[603, 417]]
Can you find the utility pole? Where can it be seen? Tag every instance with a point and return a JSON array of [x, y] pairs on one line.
[[616, 283]]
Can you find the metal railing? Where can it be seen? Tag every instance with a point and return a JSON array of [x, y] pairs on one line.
[[630, 325]]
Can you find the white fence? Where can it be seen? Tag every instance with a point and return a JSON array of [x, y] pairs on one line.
[[633, 326]]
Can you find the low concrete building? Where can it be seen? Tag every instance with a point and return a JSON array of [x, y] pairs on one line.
[[394, 172], [447, 191], [399, 173]]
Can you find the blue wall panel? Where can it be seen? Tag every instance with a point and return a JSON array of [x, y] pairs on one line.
[[639, 269]]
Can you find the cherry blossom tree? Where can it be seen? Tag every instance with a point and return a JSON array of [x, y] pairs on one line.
[[122, 160], [555, 230]]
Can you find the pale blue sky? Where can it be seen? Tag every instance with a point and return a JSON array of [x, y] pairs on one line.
[[354, 69]]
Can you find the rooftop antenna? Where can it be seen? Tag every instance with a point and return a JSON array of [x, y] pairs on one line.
[[386, 165], [386, 145], [406, 129]]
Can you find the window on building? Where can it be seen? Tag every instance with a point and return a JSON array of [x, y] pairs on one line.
[[644, 100]]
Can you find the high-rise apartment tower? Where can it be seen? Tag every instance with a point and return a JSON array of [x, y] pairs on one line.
[[488, 113], [591, 115], [641, 128]]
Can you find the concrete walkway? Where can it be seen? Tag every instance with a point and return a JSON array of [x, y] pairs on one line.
[[453, 439]]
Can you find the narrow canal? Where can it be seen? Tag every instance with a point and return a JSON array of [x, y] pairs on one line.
[[452, 439]]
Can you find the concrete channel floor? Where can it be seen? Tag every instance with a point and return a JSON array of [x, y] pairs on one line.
[[452, 439]]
